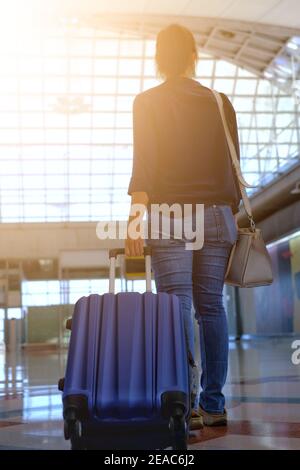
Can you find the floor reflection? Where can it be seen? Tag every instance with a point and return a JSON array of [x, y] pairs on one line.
[[263, 400]]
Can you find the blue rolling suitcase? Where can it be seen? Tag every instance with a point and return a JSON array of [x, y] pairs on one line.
[[127, 376]]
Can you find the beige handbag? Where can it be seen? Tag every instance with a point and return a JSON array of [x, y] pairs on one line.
[[249, 263]]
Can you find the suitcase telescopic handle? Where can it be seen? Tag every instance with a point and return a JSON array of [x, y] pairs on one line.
[[114, 253]]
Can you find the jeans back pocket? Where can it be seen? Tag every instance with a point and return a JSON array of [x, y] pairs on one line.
[[220, 224]]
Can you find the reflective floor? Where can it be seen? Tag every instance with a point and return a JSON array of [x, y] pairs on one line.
[[263, 400]]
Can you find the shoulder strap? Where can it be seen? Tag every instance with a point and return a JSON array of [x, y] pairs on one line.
[[235, 161]]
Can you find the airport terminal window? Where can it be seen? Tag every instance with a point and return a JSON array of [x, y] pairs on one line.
[[40, 293], [138, 285], [66, 124], [14, 312], [79, 288], [43, 293]]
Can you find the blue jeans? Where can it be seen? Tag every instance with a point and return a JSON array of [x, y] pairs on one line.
[[198, 277]]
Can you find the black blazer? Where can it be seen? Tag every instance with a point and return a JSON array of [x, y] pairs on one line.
[[180, 148]]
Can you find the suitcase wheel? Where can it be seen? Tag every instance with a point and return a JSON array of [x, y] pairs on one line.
[[73, 431], [69, 324], [178, 429], [66, 431]]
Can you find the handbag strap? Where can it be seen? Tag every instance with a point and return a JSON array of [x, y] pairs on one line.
[[235, 161]]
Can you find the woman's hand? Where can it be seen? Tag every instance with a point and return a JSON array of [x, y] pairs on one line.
[[135, 246]]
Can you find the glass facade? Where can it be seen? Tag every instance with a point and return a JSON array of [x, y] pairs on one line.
[[66, 123], [43, 293]]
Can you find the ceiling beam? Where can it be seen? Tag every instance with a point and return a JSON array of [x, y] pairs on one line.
[[253, 46]]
